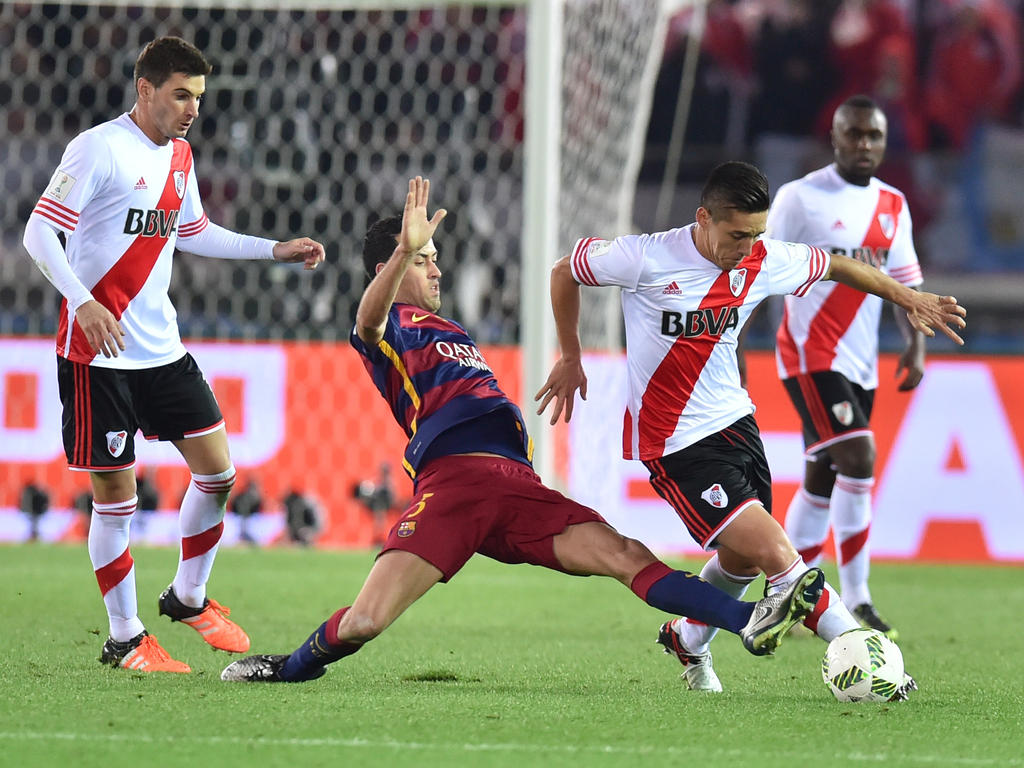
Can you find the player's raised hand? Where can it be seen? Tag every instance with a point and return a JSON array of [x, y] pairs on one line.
[[104, 334], [565, 378], [303, 249], [928, 310], [417, 229]]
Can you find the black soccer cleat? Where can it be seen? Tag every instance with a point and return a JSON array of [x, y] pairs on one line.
[[262, 668], [903, 692], [866, 614]]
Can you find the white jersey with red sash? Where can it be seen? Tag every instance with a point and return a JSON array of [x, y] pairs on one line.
[[122, 202], [835, 327], [683, 317]]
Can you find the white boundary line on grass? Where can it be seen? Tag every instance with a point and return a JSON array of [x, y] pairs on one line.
[[880, 757]]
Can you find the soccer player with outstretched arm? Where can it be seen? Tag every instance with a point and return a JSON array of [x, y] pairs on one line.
[[686, 294], [123, 198]]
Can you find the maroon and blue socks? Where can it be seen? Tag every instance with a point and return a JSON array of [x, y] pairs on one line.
[[306, 661], [686, 594]]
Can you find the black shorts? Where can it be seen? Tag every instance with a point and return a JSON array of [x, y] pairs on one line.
[[105, 407], [713, 480], [831, 407]]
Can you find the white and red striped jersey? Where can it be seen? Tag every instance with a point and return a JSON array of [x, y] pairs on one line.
[[122, 201], [835, 327], [683, 317]]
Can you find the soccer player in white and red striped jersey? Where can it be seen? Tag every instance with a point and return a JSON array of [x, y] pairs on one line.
[[827, 342], [686, 294], [123, 198]]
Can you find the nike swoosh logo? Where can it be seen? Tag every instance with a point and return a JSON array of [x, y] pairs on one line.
[[416, 318]]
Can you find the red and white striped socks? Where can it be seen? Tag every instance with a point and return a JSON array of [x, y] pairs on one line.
[[807, 522], [851, 521], [114, 567], [202, 523], [830, 618]]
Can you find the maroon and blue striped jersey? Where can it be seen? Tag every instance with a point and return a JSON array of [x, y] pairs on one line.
[[441, 390]]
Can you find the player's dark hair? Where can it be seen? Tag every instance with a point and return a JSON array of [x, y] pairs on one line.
[[380, 242], [166, 55], [737, 186], [859, 101]]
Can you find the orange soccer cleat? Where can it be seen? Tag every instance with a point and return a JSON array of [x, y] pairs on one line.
[[141, 654], [211, 622]]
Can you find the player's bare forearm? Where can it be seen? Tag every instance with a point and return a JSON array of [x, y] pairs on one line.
[[417, 229], [910, 368], [859, 275], [565, 304], [567, 375], [925, 311], [372, 314]]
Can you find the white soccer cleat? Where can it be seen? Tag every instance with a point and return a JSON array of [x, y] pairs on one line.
[[700, 674]]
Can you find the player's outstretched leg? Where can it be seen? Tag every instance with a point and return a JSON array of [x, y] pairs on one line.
[[700, 672], [775, 614], [307, 662], [396, 581]]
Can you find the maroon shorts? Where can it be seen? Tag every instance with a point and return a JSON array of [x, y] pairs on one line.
[[487, 504]]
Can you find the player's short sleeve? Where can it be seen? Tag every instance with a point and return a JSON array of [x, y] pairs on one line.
[[192, 216], [786, 215], [608, 262], [392, 339], [794, 267], [86, 166], [902, 262]]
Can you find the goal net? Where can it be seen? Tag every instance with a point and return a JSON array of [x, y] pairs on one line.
[[316, 114]]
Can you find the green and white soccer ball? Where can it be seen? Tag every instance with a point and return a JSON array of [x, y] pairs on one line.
[[862, 665]]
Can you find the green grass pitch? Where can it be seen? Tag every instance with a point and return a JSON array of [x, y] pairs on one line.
[[505, 666]]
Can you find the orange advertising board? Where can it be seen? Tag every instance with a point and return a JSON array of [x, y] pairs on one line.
[[949, 477], [305, 417], [300, 416]]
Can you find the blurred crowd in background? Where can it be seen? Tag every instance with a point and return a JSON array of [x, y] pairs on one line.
[[325, 156], [948, 75], [774, 70]]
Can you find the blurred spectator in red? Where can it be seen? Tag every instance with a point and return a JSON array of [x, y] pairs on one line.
[[872, 45], [725, 73], [795, 78], [862, 34], [895, 89], [725, 38], [974, 71]]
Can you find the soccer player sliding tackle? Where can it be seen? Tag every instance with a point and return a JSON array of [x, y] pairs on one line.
[[475, 490]]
